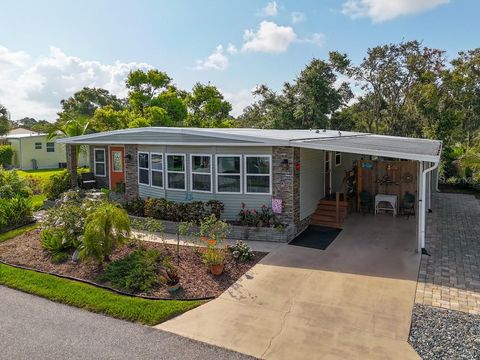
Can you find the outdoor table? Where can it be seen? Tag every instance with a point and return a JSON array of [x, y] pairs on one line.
[[391, 199]]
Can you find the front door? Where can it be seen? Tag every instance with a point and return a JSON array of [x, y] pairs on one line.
[[117, 166], [328, 173]]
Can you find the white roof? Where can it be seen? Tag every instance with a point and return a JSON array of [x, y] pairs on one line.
[[331, 140]]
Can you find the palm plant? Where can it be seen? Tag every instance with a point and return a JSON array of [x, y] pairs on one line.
[[471, 159]]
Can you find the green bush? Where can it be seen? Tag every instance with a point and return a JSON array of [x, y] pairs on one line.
[[57, 184], [15, 211], [6, 155], [12, 185], [136, 272], [54, 242], [105, 227], [241, 251]]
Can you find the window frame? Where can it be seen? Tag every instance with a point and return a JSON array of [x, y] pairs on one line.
[[154, 170], [339, 154], [143, 168], [38, 148], [201, 173], [104, 162], [246, 174], [217, 174], [184, 172], [47, 148]]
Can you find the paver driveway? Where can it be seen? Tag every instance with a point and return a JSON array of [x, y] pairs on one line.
[[351, 301]]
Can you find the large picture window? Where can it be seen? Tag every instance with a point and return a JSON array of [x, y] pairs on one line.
[[229, 179], [143, 168], [258, 176], [100, 168], [201, 173], [156, 161], [176, 172]]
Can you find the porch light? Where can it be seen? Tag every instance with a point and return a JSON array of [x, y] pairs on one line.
[[128, 156]]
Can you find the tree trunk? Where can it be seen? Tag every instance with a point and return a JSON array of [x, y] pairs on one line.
[[72, 161]]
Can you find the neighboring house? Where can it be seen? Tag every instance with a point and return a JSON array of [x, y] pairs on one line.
[[32, 150], [298, 171]]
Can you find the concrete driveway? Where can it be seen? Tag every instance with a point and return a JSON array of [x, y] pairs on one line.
[[351, 301]]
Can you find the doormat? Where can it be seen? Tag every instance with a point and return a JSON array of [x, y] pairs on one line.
[[316, 237]]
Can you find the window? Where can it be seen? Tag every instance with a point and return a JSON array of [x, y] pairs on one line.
[[258, 174], [157, 169], [338, 158], [143, 168], [50, 147], [38, 146], [176, 172], [117, 161], [229, 178], [99, 162], [201, 173]]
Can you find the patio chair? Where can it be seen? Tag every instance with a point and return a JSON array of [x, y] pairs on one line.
[[87, 181], [366, 202], [407, 207]]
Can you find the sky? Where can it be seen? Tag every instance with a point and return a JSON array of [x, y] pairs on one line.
[[50, 49]]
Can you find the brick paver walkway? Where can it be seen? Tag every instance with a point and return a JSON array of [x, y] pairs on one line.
[[450, 277]]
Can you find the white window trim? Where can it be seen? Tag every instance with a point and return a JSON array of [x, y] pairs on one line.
[[152, 170], [269, 174], [335, 158], [184, 172], [218, 174], [201, 173], [104, 162], [39, 148], [46, 147], [143, 168]]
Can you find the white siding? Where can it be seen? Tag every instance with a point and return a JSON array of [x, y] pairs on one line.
[[312, 174]]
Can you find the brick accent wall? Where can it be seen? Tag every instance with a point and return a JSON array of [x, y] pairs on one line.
[[72, 164], [131, 172], [286, 183]]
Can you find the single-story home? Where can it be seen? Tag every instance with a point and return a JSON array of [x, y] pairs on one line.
[[33, 150], [306, 176]]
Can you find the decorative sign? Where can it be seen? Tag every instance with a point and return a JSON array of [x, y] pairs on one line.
[[277, 205], [297, 166], [367, 165]]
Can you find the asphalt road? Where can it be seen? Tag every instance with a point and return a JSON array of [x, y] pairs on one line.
[[36, 328]]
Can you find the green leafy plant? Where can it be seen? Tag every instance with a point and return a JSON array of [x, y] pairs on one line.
[[136, 272], [6, 155], [135, 207], [15, 211], [257, 218], [54, 242], [57, 184], [213, 231], [213, 256], [12, 184], [241, 251], [105, 228]]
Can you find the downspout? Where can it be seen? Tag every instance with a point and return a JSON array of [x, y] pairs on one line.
[[422, 211]]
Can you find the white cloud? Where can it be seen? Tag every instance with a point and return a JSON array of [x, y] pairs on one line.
[[269, 38], [232, 49], [383, 10], [298, 17], [215, 61], [271, 9], [34, 87], [316, 39], [239, 100]]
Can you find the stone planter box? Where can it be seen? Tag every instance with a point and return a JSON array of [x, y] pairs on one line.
[[237, 232]]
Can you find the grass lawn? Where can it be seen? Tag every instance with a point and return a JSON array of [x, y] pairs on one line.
[[12, 233], [148, 312], [42, 175]]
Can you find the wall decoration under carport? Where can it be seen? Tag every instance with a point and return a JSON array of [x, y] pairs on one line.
[[387, 177]]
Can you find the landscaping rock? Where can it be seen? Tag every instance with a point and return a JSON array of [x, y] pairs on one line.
[[438, 333]]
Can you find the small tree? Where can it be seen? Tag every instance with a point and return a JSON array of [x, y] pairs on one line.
[[105, 228]]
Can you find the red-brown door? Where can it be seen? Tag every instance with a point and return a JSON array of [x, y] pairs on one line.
[[117, 166]]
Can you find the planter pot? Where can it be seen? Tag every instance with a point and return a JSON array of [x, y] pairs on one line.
[[173, 288], [217, 269]]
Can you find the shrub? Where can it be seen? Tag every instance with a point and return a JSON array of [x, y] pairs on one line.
[[59, 258], [136, 272], [15, 211], [213, 230], [12, 184], [135, 207], [213, 256], [57, 184], [105, 228], [263, 218], [241, 251], [54, 242], [6, 155]]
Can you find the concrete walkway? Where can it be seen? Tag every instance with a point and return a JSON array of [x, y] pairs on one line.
[[351, 301], [36, 328]]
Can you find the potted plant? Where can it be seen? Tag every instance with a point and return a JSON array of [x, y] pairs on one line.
[[214, 259]]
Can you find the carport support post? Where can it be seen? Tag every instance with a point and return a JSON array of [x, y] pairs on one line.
[[72, 164]]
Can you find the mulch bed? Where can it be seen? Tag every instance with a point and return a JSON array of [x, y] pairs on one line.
[[196, 281]]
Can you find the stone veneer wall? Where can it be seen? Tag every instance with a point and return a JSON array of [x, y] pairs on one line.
[[102, 181], [71, 164], [286, 183], [131, 172]]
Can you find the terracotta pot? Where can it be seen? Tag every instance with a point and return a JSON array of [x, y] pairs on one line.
[[212, 242], [173, 288], [217, 269]]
